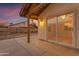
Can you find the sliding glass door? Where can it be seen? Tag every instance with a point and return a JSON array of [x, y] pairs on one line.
[[52, 29], [60, 29], [65, 28]]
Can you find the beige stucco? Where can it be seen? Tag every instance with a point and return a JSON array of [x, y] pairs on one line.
[[42, 28]]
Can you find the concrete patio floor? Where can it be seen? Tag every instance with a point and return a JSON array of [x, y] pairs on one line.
[[20, 47]]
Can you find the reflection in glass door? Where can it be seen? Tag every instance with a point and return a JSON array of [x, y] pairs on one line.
[[60, 29], [65, 28], [52, 29]]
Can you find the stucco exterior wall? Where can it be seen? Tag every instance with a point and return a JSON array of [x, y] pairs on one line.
[[59, 9], [42, 28], [77, 27]]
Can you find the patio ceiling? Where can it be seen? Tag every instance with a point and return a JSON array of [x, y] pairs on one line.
[[33, 10]]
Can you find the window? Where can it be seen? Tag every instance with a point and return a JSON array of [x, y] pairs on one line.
[[65, 28], [61, 27], [52, 29]]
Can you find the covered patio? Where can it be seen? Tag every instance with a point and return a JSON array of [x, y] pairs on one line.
[[37, 44], [20, 47]]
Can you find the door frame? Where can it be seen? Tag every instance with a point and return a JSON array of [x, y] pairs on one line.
[[74, 39]]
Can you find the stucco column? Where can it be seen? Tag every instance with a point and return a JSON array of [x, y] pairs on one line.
[[77, 27], [42, 29]]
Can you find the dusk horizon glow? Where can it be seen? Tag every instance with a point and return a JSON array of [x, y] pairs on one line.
[[9, 13]]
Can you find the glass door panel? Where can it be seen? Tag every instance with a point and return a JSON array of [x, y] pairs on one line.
[[65, 28], [52, 29]]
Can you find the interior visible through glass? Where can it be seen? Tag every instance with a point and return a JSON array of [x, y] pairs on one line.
[[61, 27], [65, 28], [52, 29]]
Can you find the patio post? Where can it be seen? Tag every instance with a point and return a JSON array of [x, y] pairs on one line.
[[28, 30]]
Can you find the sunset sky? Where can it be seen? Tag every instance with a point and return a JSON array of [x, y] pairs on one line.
[[9, 13]]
